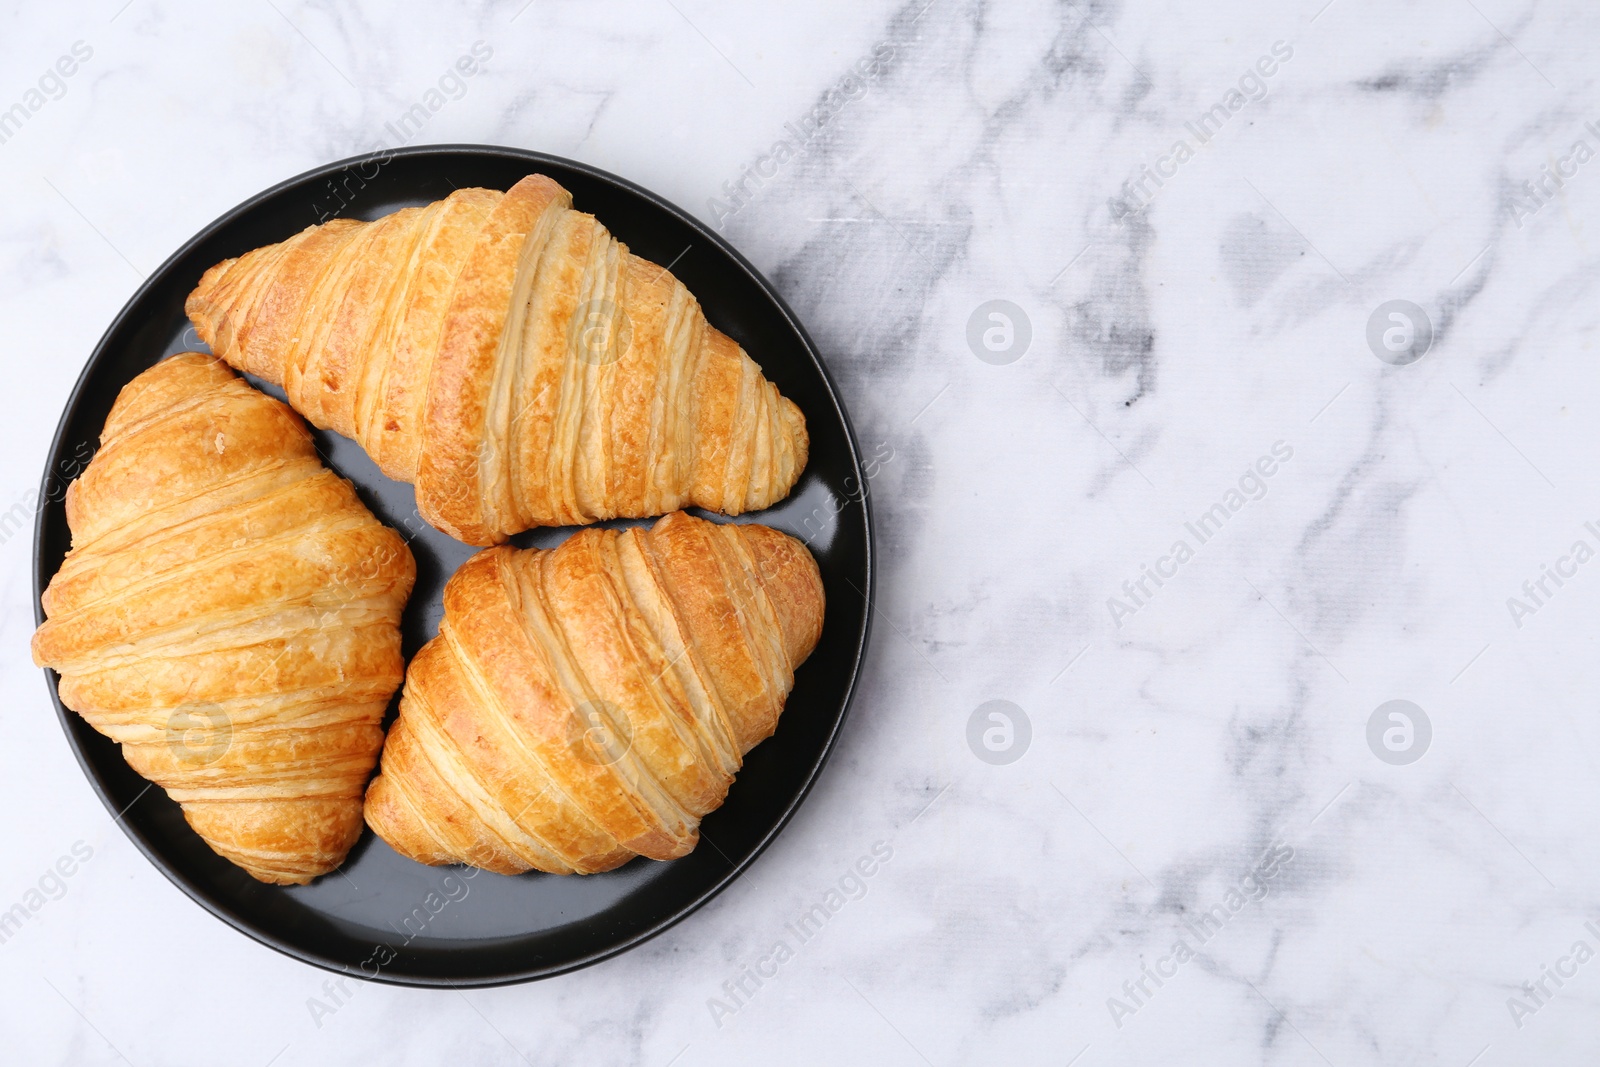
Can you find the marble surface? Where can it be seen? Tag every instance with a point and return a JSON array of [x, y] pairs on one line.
[[1198, 747]]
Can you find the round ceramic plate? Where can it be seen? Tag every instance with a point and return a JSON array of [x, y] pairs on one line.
[[383, 915]]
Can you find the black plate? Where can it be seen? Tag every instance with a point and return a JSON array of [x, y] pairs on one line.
[[490, 929]]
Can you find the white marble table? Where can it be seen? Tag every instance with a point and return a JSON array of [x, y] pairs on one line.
[[1195, 746]]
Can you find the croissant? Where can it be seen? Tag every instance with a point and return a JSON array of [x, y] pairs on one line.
[[511, 359], [229, 612], [589, 703]]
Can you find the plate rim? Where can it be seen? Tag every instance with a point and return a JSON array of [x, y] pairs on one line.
[[67, 718]]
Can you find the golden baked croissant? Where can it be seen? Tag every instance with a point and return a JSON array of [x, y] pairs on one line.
[[229, 613], [511, 359], [589, 703]]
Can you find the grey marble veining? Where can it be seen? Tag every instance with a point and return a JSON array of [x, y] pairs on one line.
[[1205, 851]]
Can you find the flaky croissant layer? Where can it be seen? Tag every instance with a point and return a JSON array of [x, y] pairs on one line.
[[512, 359], [589, 703], [229, 613]]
